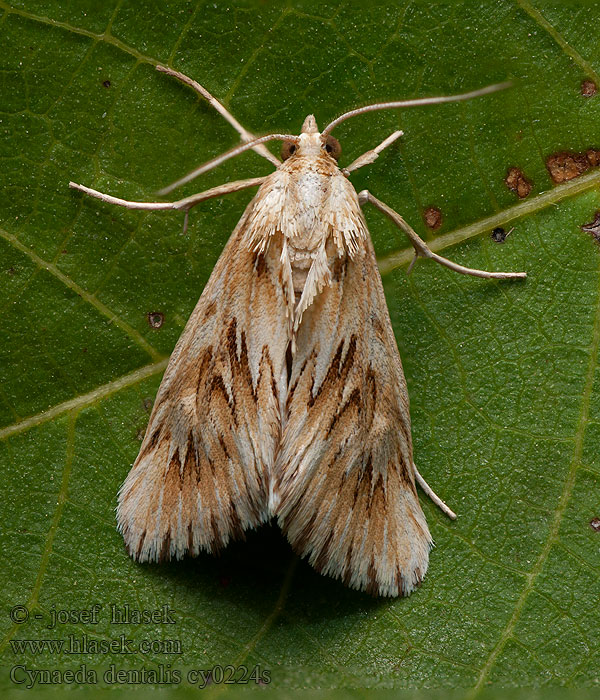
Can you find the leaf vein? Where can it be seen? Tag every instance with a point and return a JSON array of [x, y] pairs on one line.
[[553, 533], [60, 504], [86, 296], [84, 400], [529, 206], [105, 37], [539, 19]]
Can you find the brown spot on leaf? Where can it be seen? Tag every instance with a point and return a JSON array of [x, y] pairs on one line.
[[593, 227], [595, 524], [588, 88], [567, 165], [516, 181], [500, 234], [106, 83], [155, 319], [433, 218]]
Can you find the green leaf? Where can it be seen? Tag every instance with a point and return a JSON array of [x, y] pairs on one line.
[[503, 376]]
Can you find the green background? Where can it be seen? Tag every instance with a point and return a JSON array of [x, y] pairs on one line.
[[503, 376]]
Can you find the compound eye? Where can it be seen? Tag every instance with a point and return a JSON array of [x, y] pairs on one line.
[[288, 149], [332, 146]]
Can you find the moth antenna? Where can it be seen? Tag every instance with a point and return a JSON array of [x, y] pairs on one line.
[[415, 103], [220, 108], [209, 165]]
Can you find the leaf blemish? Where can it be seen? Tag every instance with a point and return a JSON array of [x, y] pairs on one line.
[[500, 234], [595, 524], [155, 319], [593, 227], [433, 218], [566, 165], [588, 88], [516, 181]]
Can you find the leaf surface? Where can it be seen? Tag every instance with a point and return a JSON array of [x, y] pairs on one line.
[[503, 376]]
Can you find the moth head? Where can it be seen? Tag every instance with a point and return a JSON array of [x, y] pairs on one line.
[[311, 142]]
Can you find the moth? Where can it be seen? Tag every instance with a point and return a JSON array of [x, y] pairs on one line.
[[285, 397]]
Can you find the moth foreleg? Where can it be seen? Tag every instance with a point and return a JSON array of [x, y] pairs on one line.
[[422, 249], [213, 102], [371, 156]]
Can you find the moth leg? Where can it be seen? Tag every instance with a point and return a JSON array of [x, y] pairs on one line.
[[422, 249], [371, 156], [182, 204], [433, 495], [213, 102]]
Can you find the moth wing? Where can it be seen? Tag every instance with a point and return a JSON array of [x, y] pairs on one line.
[[344, 473], [203, 472]]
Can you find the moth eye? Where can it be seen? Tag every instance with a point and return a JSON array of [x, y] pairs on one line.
[[332, 146], [288, 149]]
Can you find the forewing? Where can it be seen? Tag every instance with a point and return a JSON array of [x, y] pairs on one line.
[[344, 474], [203, 472]]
